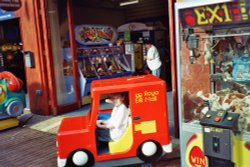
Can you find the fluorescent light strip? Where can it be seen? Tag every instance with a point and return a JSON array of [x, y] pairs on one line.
[[192, 4], [129, 3]]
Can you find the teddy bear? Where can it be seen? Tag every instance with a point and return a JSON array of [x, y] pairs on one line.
[[208, 52]]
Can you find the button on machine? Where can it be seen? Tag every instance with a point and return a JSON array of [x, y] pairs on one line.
[[229, 118], [217, 118], [208, 115]]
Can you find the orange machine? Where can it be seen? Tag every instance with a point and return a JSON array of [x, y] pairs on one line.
[[147, 136]]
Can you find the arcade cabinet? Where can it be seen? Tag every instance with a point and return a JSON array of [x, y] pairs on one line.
[[213, 62]]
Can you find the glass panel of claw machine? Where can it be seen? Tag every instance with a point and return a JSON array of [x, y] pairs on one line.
[[213, 66]]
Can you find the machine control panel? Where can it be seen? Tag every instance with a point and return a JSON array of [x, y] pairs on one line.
[[220, 119], [217, 136], [218, 142]]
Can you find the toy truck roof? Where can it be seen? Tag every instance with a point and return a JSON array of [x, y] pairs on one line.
[[124, 83]]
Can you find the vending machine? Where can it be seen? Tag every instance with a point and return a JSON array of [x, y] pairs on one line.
[[213, 73]]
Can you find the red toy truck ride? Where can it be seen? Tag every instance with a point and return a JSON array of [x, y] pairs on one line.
[[146, 137]]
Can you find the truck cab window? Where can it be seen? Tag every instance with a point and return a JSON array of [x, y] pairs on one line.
[[113, 118]]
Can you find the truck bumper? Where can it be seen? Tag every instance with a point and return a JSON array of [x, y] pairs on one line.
[[61, 162], [168, 148]]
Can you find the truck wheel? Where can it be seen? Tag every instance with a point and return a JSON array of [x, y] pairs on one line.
[[15, 108], [81, 158], [149, 151]]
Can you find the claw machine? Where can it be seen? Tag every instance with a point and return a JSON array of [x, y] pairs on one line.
[[213, 73]]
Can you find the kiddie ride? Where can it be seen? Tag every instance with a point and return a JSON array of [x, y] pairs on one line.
[[146, 138], [12, 100]]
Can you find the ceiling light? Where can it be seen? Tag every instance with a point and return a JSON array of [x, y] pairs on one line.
[[129, 2]]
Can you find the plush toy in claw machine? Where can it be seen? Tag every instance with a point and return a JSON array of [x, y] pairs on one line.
[[208, 52], [12, 100]]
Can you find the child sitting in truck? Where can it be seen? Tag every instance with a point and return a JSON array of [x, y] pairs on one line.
[[114, 128]]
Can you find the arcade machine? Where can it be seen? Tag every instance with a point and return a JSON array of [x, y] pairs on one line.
[[213, 62], [98, 55], [13, 61], [11, 46], [132, 34], [135, 33], [12, 100]]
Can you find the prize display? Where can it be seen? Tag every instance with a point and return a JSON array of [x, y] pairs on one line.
[[102, 62], [213, 51], [224, 53], [98, 58]]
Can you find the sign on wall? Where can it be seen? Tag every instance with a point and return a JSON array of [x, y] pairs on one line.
[[95, 34], [5, 15], [219, 14], [10, 5]]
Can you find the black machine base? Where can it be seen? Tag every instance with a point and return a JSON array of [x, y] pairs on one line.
[[217, 162]]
